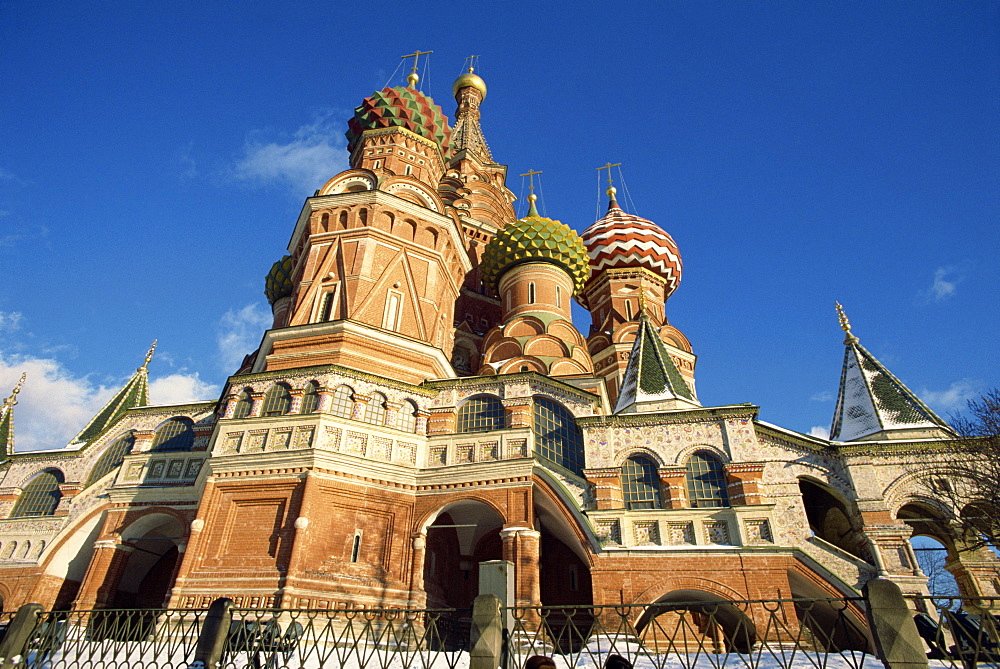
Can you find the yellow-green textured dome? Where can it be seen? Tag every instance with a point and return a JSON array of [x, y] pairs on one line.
[[278, 282], [534, 239]]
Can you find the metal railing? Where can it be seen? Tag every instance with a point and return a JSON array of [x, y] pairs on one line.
[[959, 632]]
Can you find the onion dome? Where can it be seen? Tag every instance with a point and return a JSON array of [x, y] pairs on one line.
[[624, 240], [534, 239], [399, 107], [278, 282], [466, 80]]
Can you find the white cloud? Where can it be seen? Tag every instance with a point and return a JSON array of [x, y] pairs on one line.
[[10, 321], [824, 396], [53, 406], [239, 332], [819, 431], [955, 397], [945, 283], [181, 388], [313, 154]]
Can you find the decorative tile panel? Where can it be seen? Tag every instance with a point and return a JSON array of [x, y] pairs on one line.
[[176, 469], [679, 534], [758, 531], [717, 532], [405, 452], [134, 472], [380, 448], [232, 442], [303, 437], [280, 440], [489, 451], [437, 456], [609, 532], [356, 442], [254, 443], [463, 452], [517, 448], [333, 438], [193, 467], [646, 532]]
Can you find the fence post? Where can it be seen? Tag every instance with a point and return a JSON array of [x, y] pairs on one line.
[[214, 633], [891, 622], [486, 634], [18, 633]]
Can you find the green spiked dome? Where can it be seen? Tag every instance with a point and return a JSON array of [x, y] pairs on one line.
[[534, 239], [278, 282], [399, 107]]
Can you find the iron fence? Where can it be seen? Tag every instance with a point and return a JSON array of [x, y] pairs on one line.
[[959, 632]]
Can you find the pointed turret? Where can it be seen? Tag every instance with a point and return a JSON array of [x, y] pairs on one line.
[[135, 393], [651, 380], [7, 418], [873, 404], [470, 91]]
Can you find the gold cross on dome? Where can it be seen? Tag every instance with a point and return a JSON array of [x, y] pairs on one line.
[[531, 178], [471, 61], [413, 78], [608, 166]]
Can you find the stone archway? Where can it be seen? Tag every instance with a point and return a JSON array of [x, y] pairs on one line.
[[460, 535], [833, 519], [148, 576], [695, 620]]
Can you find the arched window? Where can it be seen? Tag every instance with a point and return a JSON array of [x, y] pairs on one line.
[[406, 420], [177, 434], [8, 551], [277, 401], [343, 401], [481, 414], [243, 405], [310, 400], [375, 413], [557, 438], [706, 482], [40, 497], [640, 483], [110, 460]]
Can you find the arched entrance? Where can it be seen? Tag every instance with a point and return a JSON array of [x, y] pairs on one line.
[[564, 568], [695, 620], [935, 548], [461, 535], [833, 519], [827, 620], [149, 572]]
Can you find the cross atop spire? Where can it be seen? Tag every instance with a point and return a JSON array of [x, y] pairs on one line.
[[149, 356], [412, 78], [12, 400], [532, 210], [613, 204], [7, 418], [845, 325]]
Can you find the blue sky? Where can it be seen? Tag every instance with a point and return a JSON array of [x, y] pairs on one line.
[[153, 160]]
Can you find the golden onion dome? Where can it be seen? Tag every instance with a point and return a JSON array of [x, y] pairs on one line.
[[469, 79]]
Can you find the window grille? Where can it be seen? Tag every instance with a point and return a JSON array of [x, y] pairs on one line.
[[177, 434], [481, 414], [557, 438], [110, 460], [706, 482], [375, 413], [243, 405], [310, 400], [277, 401], [640, 483], [40, 497], [406, 420], [343, 401]]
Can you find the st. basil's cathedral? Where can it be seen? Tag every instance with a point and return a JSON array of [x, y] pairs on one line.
[[423, 402]]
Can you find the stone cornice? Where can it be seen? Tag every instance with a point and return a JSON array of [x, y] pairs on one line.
[[313, 371], [704, 414]]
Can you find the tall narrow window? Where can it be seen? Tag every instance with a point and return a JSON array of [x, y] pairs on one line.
[[390, 317], [531, 292], [409, 170], [343, 401], [110, 460], [628, 310], [277, 401], [557, 437], [640, 483], [375, 413], [406, 419], [706, 482], [559, 297], [507, 297], [310, 400], [377, 164], [356, 548], [39, 498], [243, 405]]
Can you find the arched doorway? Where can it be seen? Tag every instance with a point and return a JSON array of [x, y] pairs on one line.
[[830, 622], [695, 620], [564, 568], [461, 535], [934, 545], [149, 572], [833, 519]]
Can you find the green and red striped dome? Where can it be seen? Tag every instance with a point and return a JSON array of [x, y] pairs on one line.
[[400, 107]]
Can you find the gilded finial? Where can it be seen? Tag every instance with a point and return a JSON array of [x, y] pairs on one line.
[[412, 78], [12, 400], [642, 297], [532, 198], [845, 324], [611, 191], [149, 356]]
